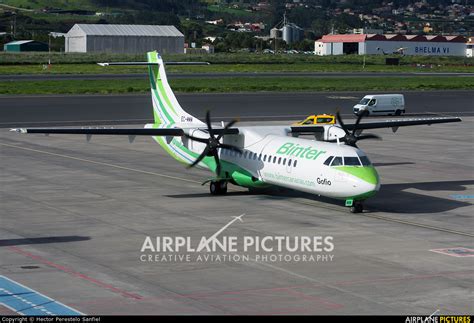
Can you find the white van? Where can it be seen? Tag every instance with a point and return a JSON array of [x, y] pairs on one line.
[[381, 104]]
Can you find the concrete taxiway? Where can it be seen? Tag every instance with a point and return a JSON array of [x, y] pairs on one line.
[[75, 214]]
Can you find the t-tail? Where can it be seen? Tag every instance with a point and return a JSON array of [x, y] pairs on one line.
[[166, 108], [167, 112]]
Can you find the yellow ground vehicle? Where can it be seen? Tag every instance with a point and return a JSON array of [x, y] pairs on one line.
[[317, 119]]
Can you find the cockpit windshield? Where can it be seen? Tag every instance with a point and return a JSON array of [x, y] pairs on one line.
[[360, 160], [365, 161], [337, 161], [351, 161]]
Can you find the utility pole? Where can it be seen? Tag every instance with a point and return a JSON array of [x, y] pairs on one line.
[[13, 26], [49, 49]]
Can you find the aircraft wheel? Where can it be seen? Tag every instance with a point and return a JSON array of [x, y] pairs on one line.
[[357, 207], [214, 188], [218, 187], [223, 187]]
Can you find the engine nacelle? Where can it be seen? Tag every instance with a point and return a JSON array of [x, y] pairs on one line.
[[333, 132]]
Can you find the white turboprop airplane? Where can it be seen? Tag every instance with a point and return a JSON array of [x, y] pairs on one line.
[[329, 165]]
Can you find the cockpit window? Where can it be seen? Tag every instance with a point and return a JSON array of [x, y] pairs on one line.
[[365, 161], [328, 161], [337, 161], [364, 101], [351, 161]]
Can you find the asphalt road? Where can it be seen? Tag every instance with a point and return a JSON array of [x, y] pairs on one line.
[[116, 109], [43, 77]]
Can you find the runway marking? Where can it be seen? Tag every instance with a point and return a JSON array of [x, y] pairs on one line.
[[76, 274], [26, 301], [102, 163]]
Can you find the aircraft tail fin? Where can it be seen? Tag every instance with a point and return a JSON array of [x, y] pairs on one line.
[[166, 108]]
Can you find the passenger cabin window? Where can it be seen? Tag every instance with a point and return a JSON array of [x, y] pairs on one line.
[[328, 161], [337, 161], [245, 154], [274, 159], [294, 163], [365, 161], [264, 158], [351, 161]]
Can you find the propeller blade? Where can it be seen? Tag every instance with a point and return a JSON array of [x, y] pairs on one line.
[[369, 136], [204, 141], [208, 122], [218, 162], [201, 157], [341, 123], [359, 117], [230, 147], [230, 124]]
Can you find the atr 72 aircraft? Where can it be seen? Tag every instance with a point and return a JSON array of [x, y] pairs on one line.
[[329, 164]]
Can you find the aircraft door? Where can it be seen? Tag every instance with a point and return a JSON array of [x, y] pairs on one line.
[[289, 165]]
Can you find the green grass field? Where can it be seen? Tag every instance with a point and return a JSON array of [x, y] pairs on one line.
[[32, 63], [225, 68], [229, 58], [238, 84]]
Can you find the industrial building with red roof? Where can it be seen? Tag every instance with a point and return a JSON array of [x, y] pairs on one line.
[[432, 45]]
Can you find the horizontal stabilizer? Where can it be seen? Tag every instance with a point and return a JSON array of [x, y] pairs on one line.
[[150, 63]]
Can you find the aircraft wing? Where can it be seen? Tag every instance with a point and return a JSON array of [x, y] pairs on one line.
[[402, 123], [394, 124], [176, 132]]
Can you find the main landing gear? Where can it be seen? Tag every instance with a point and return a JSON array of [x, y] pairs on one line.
[[357, 207], [218, 187]]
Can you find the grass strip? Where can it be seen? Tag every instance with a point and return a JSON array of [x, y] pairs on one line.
[[239, 84]]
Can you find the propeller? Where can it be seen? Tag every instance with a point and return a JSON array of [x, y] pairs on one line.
[[351, 138], [213, 144]]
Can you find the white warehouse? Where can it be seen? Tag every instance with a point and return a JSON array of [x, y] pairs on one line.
[[388, 44], [94, 38]]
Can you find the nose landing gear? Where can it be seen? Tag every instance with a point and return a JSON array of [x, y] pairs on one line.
[[357, 207]]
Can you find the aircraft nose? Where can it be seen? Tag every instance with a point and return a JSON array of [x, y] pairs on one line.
[[371, 178]]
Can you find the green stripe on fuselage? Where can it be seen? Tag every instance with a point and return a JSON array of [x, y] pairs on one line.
[[366, 173]]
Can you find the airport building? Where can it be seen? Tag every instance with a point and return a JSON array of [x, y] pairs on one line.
[[25, 46], [93, 38], [391, 43]]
